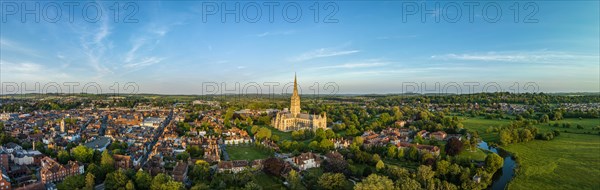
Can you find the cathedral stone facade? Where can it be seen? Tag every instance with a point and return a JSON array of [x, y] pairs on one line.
[[293, 120]]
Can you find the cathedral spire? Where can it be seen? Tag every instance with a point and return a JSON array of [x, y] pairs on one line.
[[295, 100], [295, 93]]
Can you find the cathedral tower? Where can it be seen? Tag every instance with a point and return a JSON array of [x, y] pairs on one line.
[[295, 100]]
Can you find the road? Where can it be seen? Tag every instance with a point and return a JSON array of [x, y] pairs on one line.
[[160, 131], [224, 152]]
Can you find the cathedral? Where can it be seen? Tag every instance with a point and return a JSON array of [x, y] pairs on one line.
[[292, 119]]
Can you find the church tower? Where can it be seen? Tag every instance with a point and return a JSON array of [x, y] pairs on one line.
[[62, 125], [295, 100]]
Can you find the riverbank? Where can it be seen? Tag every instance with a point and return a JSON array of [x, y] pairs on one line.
[[502, 177]]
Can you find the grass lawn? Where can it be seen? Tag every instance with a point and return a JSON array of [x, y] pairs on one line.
[[477, 155], [400, 163], [246, 152], [481, 124], [268, 182], [570, 161], [282, 135]]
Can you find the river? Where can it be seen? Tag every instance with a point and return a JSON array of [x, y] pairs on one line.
[[502, 177]]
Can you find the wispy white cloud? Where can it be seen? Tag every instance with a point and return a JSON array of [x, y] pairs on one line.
[[30, 71], [396, 37], [275, 33], [241, 67], [352, 65], [9, 45], [142, 45], [144, 62], [95, 44], [321, 53], [521, 57], [22, 68]]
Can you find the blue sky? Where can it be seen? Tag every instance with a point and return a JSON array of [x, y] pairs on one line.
[[171, 49]]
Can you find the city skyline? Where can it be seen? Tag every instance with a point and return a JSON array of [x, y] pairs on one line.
[[364, 48]]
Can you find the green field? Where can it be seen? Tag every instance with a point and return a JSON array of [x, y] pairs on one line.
[[570, 161], [477, 155], [587, 124], [268, 181], [246, 152], [481, 124]]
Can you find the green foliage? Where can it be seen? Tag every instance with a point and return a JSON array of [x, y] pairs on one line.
[[82, 154], [72, 182], [200, 171], [182, 156], [63, 157], [115, 180], [332, 181], [493, 162], [142, 180], [294, 180], [380, 165], [107, 162], [263, 133], [424, 174], [90, 183], [129, 186], [454, 146], [375, 182]]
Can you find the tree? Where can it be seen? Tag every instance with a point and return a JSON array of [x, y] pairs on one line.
[[544, 118], [375, 182], [63, 157], [142, 180], [172, 185], [249, 121], [82, 154], [557, 116], [413, 153], [183, 156], [332, 181], [159, 180], [505, 137], [202, 186], [526, 135], [72, 182], [376, 158], [493, 162], [294, 180], [273, 166], [380, 165], [130, 186], [115, 180], [90, 183], [335, 163], [252, 186], [275, 138], [391, 152], [409, 184], [107, 160], [400, 153], [326, 145], [424, 174], [254, 129], [263, 133], [358, 140], [442, 167], [200, 171], [313, 145], [454, 147]]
